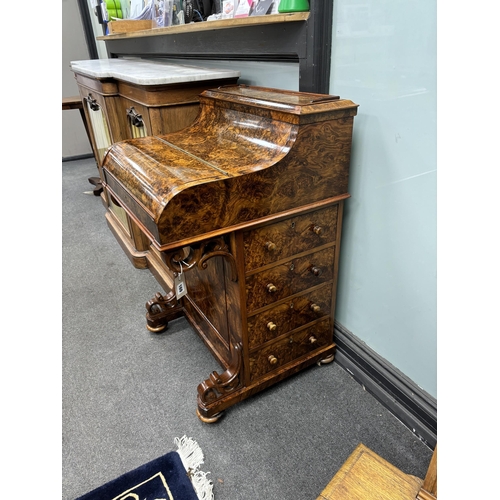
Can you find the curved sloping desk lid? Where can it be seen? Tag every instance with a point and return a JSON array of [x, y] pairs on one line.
[[240, 131]]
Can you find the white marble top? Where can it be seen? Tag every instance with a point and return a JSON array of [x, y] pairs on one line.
[[143, 72]]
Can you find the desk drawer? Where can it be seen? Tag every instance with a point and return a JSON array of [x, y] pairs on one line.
[[288, 278], [283, 239], [289, 315], [290, 348]]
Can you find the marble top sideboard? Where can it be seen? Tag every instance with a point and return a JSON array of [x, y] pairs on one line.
[[146, 72]]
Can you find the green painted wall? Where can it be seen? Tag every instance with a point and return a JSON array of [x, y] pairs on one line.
[[384, 59]]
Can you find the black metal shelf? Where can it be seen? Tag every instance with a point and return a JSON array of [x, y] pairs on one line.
[[302, 37]]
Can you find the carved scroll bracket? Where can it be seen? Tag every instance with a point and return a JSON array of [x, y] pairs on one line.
[[164, 308], [160, 310], [183, 259]]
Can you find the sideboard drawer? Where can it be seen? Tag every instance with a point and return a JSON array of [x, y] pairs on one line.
[[289, 315], [280, 240], [143, 120], [290, 348], [289, 277]]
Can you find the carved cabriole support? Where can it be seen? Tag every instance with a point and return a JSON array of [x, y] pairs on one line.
[[162, 309], [216, 388]]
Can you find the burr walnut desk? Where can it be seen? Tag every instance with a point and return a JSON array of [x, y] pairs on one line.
[[243, 214], [127, 98]]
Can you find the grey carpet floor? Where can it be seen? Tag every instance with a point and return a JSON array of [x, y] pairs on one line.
[[127, 393]]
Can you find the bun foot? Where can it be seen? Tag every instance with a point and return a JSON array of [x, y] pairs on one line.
[[209, 420], [157, 329], [326, 360], [160, 310]]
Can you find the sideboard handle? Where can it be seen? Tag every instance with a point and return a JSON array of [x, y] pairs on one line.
[[94, 106], [135, 117]]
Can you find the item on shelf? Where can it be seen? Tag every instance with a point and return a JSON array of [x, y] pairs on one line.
[[262, 8], [114, 9], [147, 12], [293, 6], [167, 13], [158, 11], [188, 11], [216, 9], [243, 9], [203, 9], [228, 9], [177, 13]]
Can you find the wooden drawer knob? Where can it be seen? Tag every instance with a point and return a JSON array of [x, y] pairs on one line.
[[315, 308], [271, 326], [317, 230], [269, 245], [272, 360], [316, 270], [312, 339], [271, 288]]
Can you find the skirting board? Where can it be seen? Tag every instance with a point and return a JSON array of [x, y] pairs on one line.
[[416, 409]]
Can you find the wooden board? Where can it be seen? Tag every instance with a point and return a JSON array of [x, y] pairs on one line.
[[130, 25], [367, 476], [73, 102]]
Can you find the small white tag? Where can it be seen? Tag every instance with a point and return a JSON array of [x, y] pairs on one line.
[[180, 286]]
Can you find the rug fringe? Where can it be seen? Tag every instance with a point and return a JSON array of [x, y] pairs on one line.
[[192, 457], [202, 485]]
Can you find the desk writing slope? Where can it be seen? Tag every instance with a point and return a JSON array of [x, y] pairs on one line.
[[248, 200]]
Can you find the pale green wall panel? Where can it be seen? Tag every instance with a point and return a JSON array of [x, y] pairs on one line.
[[384, 59], [279, 75]]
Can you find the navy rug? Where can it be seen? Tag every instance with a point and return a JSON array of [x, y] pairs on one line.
[[174, 476]]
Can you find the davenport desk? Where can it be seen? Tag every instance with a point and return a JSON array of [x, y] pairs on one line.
[[243, 214]]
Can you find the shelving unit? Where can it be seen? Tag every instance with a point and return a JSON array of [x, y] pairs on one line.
[[210, 25], [303, 37]]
